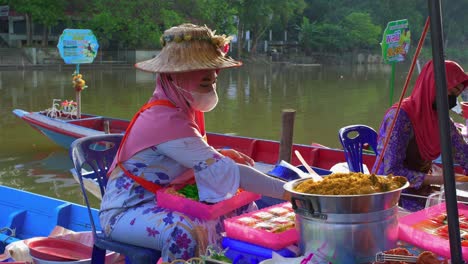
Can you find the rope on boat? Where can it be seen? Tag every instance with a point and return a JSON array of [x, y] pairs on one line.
[[408, 77]]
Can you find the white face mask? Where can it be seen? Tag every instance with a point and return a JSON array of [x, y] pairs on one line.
[[204, 102]]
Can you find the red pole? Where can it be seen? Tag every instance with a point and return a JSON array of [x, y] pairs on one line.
[[408, 78]]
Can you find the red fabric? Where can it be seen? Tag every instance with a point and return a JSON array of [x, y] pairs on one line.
[[418, 106]]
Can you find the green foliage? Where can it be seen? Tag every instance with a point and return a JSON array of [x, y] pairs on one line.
[[126, 23], [171, 18], [320, 37], [320, 25], [354, 31], [360, 31], [218, 15]]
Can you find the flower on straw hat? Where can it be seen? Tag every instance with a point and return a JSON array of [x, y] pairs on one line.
[[189, 47]]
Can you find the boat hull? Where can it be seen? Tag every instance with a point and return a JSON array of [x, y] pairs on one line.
[[63, 132], [25, 215]]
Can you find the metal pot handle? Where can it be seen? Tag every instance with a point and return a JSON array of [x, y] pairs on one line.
[[308, 209]]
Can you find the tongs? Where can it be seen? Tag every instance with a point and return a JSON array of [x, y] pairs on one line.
[[382, 257]]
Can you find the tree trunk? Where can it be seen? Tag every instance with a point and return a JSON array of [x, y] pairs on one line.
[[240, 37], [28, 30], [45, 36]]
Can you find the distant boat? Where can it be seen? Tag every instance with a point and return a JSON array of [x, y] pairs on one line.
[[27, 215]]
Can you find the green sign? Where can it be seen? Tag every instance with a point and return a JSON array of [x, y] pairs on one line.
[[78, 46], [396, 41]]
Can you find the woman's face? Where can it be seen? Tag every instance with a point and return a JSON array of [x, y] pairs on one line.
[[208, 82]]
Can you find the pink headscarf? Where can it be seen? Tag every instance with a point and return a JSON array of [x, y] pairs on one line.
[[160, 124], [418, 106]]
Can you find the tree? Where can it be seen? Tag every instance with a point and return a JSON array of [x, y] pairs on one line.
[[43, 12], [25, 7], [128, 23], [217, 15], [321, 37], [257, 16], [48, 13], [360, 31]]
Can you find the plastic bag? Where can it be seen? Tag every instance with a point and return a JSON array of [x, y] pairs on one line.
[[343, 167], [310, 258]]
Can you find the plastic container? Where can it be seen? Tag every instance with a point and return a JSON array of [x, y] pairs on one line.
[[43, 261], [464, 106], [252, 227], [57, 249], [424, 230], [201, 210], [241, 252]]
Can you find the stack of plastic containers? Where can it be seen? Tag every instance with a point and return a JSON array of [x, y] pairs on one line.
[[252, 237]]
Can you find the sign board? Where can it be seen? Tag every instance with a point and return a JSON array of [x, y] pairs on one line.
[[396, 41], [77, 46]]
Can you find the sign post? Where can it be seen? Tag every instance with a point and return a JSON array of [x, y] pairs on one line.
[[395, 45], [78, 46]]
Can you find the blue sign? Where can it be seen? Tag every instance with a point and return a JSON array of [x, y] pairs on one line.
[[77, 46]]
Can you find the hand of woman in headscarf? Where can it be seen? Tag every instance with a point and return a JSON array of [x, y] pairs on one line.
[[237, 156], [438, 179]]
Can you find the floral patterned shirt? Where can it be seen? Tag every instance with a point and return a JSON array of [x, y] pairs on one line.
[[395, 154], [217, 176]]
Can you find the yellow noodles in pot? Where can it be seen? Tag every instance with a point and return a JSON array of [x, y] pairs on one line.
[[351, 184]]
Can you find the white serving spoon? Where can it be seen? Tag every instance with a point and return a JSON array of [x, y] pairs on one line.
[[311, 171]]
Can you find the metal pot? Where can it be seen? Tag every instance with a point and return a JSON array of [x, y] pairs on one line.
[[353, 227]]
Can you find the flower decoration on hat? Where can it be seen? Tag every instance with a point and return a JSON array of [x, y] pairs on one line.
[[221, 42], [78, 82]]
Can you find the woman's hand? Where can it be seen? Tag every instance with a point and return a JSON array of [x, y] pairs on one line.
[[439, 179], [237, 156]]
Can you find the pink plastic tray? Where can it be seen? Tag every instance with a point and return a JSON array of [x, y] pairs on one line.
[[239, 227], [202, 210], [419, 230]]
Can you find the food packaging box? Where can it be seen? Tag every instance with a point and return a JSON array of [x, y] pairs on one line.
[[271, 227], [201, 210], [428, 229], [244, 252]]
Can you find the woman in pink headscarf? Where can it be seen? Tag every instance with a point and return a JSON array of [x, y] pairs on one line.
[[415, 141], [166, 142]]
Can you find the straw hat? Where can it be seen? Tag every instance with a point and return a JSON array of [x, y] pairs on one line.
[[189, 47]]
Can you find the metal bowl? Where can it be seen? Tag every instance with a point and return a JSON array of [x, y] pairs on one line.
[[342, 204]]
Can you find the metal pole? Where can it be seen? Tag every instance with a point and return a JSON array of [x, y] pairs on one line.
[[444, 130]]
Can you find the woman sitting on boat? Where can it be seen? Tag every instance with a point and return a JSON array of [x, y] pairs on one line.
[[415, 141], [165, 143]]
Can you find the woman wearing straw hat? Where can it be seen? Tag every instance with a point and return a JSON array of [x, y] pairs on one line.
[[165, 143], [414, 141]]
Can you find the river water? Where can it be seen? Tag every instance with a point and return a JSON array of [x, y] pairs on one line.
[[251, 100]]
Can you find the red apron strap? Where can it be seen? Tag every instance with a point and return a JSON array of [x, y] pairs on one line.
[[150, 186]]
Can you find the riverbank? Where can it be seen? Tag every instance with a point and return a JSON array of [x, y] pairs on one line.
[[38, 57]]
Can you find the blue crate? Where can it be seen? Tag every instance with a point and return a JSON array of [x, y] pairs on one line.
[[246, 253]]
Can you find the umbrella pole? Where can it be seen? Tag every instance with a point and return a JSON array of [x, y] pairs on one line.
[[444, 130]]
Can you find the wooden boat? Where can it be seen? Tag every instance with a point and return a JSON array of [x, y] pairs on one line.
[[26, 215], [63, 131]]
